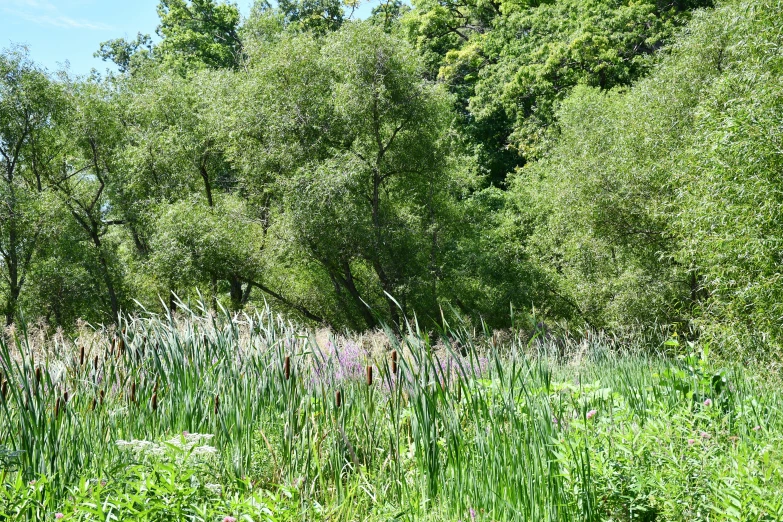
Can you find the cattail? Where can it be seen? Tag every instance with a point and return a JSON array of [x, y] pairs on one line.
[[287, 367], [38, 375], [57, 407], [217, 404], [206, 340], [155, 388], [459, 391], [154, 402], [338, 398], [81, 356], [394, 362], [65, 397], [369, 376], [94, 403], [121, 345], [95, 363], [133, 393], [102, 394], [4, 389]]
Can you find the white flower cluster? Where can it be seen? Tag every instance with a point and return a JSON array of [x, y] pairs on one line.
[[179, 448], [142, 448], [215, 489]]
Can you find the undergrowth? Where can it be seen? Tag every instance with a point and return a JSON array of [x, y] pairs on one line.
[[209, 417]]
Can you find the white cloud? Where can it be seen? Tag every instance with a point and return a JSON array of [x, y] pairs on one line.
[[47, 14]]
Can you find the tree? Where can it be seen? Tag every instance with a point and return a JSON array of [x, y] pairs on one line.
[[364, 203], [661, 204], [82, 185], [31, 146], [127, 55], [511, 63], [388, 13], [199, 34], [175, 151], [729, 204], [196, 245], [318, 16]]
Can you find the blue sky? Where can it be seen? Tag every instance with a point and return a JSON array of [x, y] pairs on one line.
[[72, 30]]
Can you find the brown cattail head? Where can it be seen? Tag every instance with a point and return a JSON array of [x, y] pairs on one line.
[[133, 392], [38, 375], [459, 390], [94, 403], [120, 346], [394, 362], [95, 363], [217, 404], [4, 388], [287, 367], [65, 397], [369, 376], [154, 402], [81, 356], [338, 398], [57, 407], [102, 394]]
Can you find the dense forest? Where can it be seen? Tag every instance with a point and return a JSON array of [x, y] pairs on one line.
[[610, 163]]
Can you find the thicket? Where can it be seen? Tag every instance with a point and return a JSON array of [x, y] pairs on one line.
[[593, 162]]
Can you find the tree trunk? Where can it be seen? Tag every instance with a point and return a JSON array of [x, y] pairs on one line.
[[301, 309], [236, 292], [207, 184], [12, 304], [347, 281], [11, 256], [113, 301], [141, 245]]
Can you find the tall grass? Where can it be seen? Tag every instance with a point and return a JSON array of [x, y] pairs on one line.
[[446, 430]]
